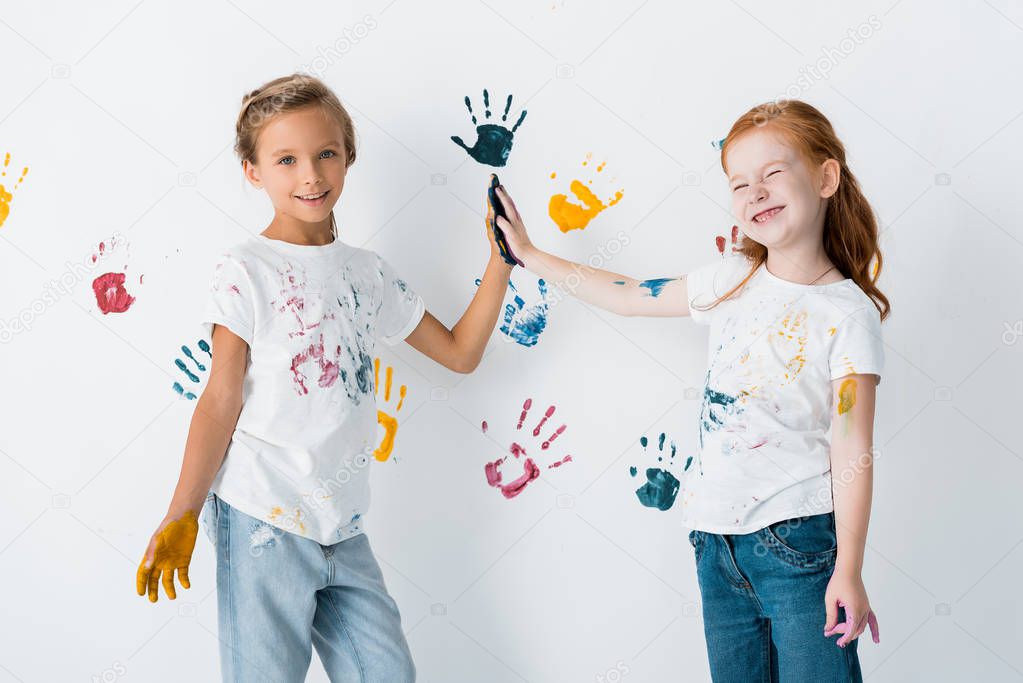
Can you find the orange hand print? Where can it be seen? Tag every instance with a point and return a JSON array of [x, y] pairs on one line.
[[7, 195], [386, 420], [569, 215], [170, 548]]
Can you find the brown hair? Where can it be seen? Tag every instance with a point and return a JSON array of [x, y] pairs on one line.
[[288, 94], [850, 228]]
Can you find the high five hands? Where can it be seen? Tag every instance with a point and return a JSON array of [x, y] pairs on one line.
[[506, 223]]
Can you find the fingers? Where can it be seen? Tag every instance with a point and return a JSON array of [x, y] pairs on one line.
[[854, 629], [168, 583], [154, 583], [503, 223], [509, 205], [875, 634], [832, 621], [141, 577], [183, 577]]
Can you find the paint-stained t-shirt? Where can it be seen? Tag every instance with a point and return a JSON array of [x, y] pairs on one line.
[[765, 417], [300, 452]]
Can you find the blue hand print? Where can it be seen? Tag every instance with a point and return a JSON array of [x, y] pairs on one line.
[[180, 390], [661, 485], [524, 324], [493, 141]]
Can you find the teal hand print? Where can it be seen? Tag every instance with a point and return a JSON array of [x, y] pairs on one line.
[[524, 324], [493, 141], [181, 365]]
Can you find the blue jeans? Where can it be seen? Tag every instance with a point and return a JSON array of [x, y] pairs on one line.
[[763, 603], [278, 594]]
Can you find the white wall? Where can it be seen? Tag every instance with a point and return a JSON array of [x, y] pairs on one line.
[[124, 115]]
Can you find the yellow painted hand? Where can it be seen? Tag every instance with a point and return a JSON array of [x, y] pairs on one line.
[[170, 548], [387, 421]]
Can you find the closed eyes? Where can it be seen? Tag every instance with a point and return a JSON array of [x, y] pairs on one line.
[[739, 187]]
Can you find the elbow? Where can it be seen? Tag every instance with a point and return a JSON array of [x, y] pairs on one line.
[[464, 367]]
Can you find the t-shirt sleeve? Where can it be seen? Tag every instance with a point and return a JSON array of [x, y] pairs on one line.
[[401, 308], [230, 302], [703, 287], [857, 347]]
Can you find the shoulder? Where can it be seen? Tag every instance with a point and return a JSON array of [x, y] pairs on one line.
[[719, 276], [853, 303], [240, 253]]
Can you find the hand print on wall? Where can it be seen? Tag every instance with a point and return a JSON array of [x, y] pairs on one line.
[[7, 195], [387, 420], [112, 295], [530, 470], [493, 141], [661, 486], [576, 214], [522, 323], [184, 367], [722, 244]]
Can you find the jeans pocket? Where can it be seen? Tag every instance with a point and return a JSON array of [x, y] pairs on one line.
[[696, 540], [804, 541], [209, 517]]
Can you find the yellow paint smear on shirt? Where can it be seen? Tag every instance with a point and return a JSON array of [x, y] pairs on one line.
[[794, 330], [278, 517]]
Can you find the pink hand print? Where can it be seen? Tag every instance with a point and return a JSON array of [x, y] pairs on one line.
[[530, 470]]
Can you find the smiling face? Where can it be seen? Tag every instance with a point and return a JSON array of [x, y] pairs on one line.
[[301, 163], [777, 197]]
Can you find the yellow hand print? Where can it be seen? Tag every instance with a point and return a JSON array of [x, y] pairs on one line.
[[387, 421], [5, 195], [170, 548], [570, 216]]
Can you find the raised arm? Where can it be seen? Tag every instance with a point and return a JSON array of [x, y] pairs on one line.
[[621, 294]]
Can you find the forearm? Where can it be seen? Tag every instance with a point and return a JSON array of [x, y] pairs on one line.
[[209, 434], [473, 329], [602, 288], [852, 475]]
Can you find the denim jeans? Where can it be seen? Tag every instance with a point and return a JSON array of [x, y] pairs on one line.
[[763, 603], [279, 594]]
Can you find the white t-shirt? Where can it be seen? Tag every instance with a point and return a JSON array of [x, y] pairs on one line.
[[300, 453], [765, 418]]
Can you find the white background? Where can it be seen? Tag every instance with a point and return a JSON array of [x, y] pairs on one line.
[[124, 114]]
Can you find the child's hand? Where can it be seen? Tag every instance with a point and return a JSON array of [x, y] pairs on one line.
[[170, 548], [845, 589], [513, 228]]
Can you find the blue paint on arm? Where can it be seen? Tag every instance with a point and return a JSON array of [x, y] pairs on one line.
[[656, 285], [618, 282]]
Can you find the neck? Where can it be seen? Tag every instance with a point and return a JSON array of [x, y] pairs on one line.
[[289, 229], [807, 264]]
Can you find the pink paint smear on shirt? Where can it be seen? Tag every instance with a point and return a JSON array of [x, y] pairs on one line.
[[329, 369]]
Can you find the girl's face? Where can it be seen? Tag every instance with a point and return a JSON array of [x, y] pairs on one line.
[[301, 163], [777, 198]]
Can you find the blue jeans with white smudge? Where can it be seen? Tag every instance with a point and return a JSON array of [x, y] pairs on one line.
[[279, 594]]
